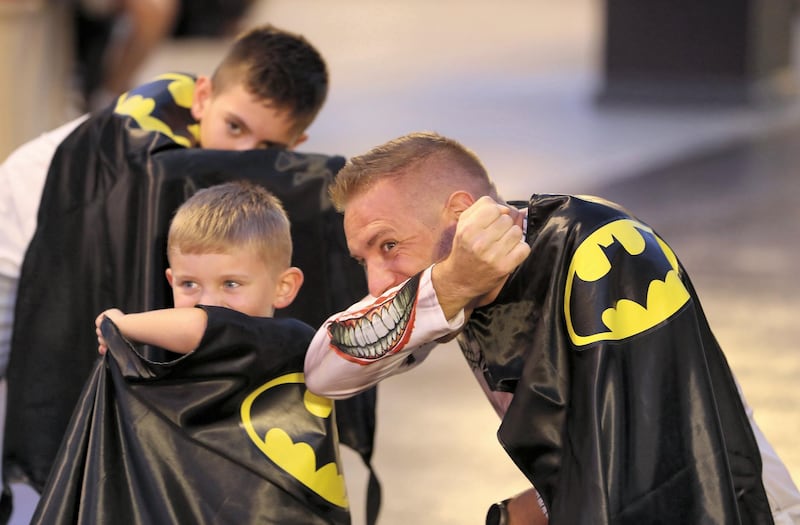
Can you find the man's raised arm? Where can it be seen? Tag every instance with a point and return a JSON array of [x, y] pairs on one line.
[[487, 246], [380, 337], [377, 338]]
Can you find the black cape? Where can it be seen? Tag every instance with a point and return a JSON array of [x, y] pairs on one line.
[[100, 242], [624, 408], [226, 434]]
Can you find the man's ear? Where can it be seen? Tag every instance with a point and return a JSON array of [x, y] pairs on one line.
[[202, 94], [458, 202], [169, 276], [287, 286]]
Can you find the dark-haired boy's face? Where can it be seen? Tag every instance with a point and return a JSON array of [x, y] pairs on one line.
[[234, 119]]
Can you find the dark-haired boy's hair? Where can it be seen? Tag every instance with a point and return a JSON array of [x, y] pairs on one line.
[[280, 67]]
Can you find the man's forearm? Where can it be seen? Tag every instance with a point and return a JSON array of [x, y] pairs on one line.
[[377, 338], [453, 299]]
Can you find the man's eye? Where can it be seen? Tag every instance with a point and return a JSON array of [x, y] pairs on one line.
[[388, 246]]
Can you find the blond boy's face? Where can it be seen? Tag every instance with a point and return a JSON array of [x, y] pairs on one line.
[[238, 279], [236, 120]]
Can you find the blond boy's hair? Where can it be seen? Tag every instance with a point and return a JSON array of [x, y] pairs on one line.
[[233, 215]]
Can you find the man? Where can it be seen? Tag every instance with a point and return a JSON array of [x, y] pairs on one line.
[[578, 321]]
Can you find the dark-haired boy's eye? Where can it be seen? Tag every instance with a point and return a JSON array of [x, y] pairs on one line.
[[234, 128], [268, 144]]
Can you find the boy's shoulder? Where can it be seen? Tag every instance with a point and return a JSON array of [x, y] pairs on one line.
[[164, 105], [274, 329]]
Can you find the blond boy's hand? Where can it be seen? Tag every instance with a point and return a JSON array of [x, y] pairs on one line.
[[111, 313]]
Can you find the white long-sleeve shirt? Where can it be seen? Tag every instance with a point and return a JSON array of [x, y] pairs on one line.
[[22, 178], [377, 338]]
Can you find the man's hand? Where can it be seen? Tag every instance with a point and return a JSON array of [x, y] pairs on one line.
[[487, 246]]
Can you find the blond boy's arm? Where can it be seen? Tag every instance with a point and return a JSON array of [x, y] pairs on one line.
[[175, 329]]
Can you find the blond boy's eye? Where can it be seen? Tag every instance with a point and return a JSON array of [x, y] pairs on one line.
[[231, 284]]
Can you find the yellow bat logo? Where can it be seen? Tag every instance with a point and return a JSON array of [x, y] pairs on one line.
[[163, 114], [623, 280], [297, 459]]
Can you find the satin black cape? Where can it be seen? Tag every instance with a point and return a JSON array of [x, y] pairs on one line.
[[226, 434], [100, 242], [625, 410]]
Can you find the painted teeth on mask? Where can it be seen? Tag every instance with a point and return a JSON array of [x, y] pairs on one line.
[[374, 335]]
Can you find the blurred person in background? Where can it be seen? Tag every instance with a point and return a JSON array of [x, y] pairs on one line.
[[114, 38], [36, 59], [61, 59]]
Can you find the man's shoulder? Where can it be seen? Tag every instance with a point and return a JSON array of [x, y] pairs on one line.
[[587, 210]]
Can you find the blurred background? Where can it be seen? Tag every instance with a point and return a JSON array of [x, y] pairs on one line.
[[686, 112]]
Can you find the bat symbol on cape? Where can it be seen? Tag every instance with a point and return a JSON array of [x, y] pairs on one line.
[[271, 419], [623, 280]]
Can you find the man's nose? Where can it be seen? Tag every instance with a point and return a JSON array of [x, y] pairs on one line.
[[381, 279]]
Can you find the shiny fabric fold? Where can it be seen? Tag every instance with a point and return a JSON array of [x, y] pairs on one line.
[[226, 434], [625, 410]]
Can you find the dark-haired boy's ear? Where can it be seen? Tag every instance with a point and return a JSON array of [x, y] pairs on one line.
[[202, 94], [299, 140], [287, 286]]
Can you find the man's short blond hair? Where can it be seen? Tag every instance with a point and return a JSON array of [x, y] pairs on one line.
[[233, 215], [406, 157]]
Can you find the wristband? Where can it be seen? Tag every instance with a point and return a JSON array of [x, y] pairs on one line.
[[498, 513]]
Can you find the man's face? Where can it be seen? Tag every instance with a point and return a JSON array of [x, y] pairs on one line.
[[394, 235], [238, 279], [233, 119]]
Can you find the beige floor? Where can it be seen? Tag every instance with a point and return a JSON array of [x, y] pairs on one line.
[[514, 80]]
